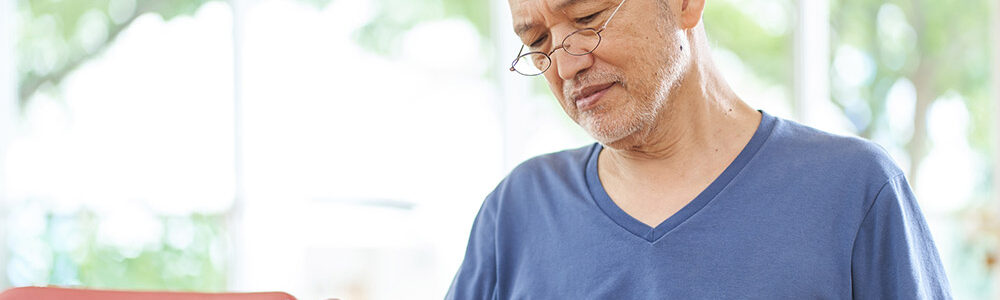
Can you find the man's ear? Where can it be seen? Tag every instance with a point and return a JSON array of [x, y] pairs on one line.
[[691, 13]]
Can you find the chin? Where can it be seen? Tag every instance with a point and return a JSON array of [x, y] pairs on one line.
[[609, 132], [620, 127]]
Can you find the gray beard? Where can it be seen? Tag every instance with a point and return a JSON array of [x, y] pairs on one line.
[[639, 114]]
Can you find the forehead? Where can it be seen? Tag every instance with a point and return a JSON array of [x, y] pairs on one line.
[[521, 8], [531, 13], [524, 12]]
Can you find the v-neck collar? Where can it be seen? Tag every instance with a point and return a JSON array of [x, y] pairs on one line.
[[652, 234]]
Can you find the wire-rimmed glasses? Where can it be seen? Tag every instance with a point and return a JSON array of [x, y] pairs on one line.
[[578, 43]]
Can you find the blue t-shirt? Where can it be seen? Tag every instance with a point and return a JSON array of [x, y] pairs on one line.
[[799, 214]]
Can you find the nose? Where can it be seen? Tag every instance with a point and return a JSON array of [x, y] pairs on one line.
[[569, 65]]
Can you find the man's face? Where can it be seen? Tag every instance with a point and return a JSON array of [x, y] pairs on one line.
[[617, 91]]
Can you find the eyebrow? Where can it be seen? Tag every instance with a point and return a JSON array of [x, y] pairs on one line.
[[521, 28], [563, 4]]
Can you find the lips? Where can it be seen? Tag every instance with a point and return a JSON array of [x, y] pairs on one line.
[[588, 96]]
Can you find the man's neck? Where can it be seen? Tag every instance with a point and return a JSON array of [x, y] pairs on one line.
[[703, 124]]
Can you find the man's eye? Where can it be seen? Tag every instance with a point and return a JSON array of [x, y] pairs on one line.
[[588, 18], [538, 43]]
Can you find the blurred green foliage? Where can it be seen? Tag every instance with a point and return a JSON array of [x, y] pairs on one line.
[[188, 255], [943, 48], [162, 266], [394, 17], [767, 54], [56, 36]]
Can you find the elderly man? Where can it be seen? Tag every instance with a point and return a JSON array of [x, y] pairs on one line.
[[690, 193]]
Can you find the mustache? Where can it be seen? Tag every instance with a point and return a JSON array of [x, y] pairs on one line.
[[590, 78]]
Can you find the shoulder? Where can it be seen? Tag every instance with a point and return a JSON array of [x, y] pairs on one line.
[[557, 164], [801, 146], [546, 174]]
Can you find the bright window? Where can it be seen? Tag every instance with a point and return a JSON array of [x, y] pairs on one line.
[[342, 148], [120, 170]]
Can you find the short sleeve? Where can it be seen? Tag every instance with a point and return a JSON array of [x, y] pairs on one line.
[[476, 278], [894, 256]]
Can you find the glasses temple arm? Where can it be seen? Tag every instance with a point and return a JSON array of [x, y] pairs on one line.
[[612, 15], [516, 58]]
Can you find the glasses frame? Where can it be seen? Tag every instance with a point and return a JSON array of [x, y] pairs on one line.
[[562, 45]]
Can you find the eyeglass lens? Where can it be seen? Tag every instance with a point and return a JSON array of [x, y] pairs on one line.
[[533, 63], [578, 43]]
